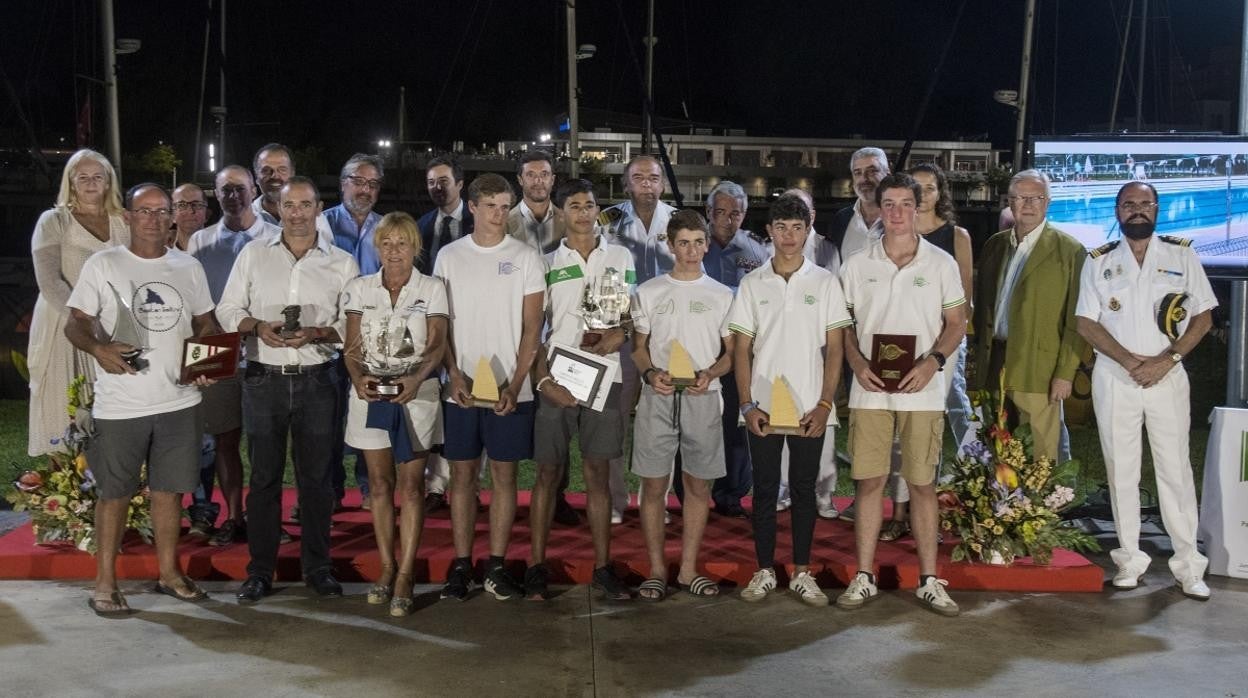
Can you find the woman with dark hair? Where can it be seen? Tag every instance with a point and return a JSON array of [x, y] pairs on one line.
[[936, 222], [86, 219]]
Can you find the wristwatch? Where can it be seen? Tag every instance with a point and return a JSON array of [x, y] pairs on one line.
[[940, 359], [746, 407], [1176, 357]]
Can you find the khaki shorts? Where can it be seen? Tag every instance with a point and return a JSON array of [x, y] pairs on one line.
[[871, 443]]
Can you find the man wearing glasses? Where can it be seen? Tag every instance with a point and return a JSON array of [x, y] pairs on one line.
[[1026, 341], [190, 212]]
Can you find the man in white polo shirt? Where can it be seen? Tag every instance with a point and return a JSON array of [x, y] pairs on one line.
[[788, 316], [495, 289], [900, 285], [583, 258], [216, 247], [142, 413], [291, 382], [687, 307]]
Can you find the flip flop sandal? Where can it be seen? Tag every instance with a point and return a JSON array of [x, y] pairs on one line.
[[194, 592], [700, 586], [652, 590], [116, 599]]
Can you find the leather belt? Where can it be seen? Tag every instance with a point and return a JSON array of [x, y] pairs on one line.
[[289, 369]]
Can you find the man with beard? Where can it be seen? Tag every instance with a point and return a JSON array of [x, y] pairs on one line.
[[216, 247], [273, 166], [1026, 341], [851, 226], [451, 219], [1143, 306], [534, 220], [352, 224]]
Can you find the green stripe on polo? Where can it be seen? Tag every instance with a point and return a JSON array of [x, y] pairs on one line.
[[740, 330], [838, 325], [554, 276], [1243, 456], [954, 304]]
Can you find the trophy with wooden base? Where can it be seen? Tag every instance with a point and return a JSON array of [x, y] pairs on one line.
[[892, 357], [127, 330], [484, 385], [680, 367], [784, 417], [603, 305], [388, 354]]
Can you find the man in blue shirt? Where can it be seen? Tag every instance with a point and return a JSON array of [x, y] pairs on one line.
[[352, 222]]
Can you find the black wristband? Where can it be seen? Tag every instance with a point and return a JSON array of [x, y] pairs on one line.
[[645, 375], [940, 359]]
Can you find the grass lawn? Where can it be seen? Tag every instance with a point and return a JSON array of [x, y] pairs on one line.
[[1206, 369]]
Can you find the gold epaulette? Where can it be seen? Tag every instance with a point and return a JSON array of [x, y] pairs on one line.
[[1173, 240], [609, 216], [1104, 249]]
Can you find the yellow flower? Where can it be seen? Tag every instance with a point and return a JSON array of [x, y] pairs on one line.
[[80, 463], [997, 530]]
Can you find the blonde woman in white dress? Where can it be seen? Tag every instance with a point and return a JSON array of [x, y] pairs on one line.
[[86, 219]]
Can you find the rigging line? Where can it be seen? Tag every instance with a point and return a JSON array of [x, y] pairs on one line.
[[1184, 69], [1123, 38], [684, 16], [459, 47], [472, 57], [931, 85], [1057, 15]]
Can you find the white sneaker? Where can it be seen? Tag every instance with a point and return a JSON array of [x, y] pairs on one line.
[[1126, 579], [807, 589], [1195, 588], [827, 510], [934, 596], [762, 582], [861, 590], [783, 504], [617, 517]]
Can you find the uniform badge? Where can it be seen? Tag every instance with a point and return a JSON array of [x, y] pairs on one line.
[[1114, 304], [1118, 270], [1107, 274]]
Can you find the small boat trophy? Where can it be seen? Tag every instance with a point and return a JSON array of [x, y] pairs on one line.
[[388, 353], [603, 304], [127, 330]]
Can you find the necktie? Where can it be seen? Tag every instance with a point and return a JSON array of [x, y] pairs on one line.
[[444, 232]]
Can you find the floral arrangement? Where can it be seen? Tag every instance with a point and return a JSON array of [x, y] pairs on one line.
[[60, 492], [1003, 503]]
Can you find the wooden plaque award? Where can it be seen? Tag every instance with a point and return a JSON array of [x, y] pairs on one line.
[[680, 366], [784, 417], [892, 357], [212, 356], [484, 385]]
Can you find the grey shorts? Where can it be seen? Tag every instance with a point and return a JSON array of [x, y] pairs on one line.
[[601, 434], [223, 406], [700, 439], [169, 443]]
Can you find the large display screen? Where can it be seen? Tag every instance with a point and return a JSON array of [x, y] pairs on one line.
[[1202, 186]]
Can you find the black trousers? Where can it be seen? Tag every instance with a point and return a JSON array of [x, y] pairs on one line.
[[302, 408], [804, 455], [735, 484]]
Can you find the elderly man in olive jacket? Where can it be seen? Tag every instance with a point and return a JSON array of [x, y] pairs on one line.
[[1025, 334]]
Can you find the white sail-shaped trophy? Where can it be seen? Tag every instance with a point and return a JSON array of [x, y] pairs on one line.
[[127, 330]]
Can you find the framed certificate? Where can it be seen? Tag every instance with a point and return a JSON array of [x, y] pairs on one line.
[[212, 356], [587, 376], [892, 357]]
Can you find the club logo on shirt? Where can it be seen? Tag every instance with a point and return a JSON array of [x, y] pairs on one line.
[[763, 302], [920, 281], [698, 307], [667, 307], [810, 300], [1114, 304], [418, 307], [507, 267], [157, 306]]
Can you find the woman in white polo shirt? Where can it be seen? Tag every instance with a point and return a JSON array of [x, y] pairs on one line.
[[399, 315]]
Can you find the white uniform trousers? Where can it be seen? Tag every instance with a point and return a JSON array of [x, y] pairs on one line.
[[1122, 409]]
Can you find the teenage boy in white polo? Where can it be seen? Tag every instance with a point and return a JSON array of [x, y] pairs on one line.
[[582, 257], [495, 291], [788, 316], [900, 284], [687, 306]]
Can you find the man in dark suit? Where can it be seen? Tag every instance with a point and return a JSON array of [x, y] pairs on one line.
[[451, 220]]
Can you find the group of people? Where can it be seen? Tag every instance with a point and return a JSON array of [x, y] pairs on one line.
[[476, 302]]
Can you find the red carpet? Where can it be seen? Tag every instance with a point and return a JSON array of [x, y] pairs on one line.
[[728, 552]]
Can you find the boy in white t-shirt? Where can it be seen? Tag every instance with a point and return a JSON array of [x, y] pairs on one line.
[[689, 309], [142, 413], [496, 289], [788, 316], [584, 257]]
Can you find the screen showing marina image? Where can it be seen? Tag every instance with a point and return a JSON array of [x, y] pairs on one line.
[[1202, 187]]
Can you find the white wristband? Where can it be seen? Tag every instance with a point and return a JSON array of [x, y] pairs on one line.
[[543, 382]]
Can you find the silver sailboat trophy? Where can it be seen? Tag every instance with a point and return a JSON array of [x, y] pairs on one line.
[[127, 330]]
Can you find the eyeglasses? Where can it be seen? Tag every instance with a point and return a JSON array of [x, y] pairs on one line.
[[374, 184], [189, 206], [1026, 200], [151, 212], [1137, 206]]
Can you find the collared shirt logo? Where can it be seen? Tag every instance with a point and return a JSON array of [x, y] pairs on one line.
[[810, 300], [920, 281], [1114, 304], [418, 307], [667, 307], [698, 307]]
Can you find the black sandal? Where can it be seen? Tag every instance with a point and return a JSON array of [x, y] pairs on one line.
[[120, 607], [652, 590], [700, 586]]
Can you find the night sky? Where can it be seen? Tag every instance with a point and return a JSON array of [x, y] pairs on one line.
[[327, 74]]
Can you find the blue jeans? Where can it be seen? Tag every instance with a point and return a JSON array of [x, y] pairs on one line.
[[202, 507], [302, 407]]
